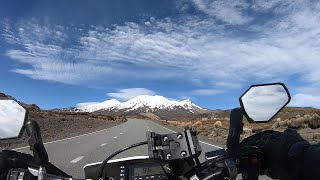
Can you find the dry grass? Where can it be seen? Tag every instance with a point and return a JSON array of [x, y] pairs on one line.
[[149, 115], [217, 124], [218, 129], [62, 124]]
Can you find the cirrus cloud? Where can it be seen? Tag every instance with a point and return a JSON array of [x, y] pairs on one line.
[[305, 100], [236, 43], [127, 94]]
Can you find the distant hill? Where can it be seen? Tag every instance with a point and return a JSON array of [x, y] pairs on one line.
[[161, 108], [140, 106], [57, 124]]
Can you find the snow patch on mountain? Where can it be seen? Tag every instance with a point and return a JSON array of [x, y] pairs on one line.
[[147, 102], [109, 104]]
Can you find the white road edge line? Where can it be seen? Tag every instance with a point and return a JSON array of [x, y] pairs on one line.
[[103, 144], [77, 159], [68, 138], [199, 141], [115, 137], [121, 133], [104, 130], [211, 145]]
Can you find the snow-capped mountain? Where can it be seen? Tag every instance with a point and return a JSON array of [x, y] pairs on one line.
[[103, 105], [143, 104]]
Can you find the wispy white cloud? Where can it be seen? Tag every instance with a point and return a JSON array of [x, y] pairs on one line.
[[228, 11], [305, 100], [206, 92], [126, 94], [310, 89], [211, 54], [263, 6]]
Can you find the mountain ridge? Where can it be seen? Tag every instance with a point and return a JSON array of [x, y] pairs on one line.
[[143, 103], [150, 104]]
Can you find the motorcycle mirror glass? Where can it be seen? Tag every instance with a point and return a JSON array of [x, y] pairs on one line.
[[263, 102], [12, 118]]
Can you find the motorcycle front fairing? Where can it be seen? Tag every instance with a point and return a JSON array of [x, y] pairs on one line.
[[136, 168]]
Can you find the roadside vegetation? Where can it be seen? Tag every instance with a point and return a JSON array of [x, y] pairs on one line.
[[58, 124], [305, 120]]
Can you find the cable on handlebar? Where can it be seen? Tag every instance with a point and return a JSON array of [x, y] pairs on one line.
[[104, 163], [208, 163]]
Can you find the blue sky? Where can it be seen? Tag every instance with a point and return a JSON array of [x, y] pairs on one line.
[[59, 54]]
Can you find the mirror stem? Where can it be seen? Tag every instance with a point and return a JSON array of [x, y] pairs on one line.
[[236, 128], [36, 144]]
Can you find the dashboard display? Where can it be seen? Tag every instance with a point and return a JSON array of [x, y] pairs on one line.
[[146, 171]]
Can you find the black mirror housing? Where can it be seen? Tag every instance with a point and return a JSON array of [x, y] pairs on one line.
[[262, 102]]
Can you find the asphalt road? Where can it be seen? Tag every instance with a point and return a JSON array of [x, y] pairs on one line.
[[73, 153]]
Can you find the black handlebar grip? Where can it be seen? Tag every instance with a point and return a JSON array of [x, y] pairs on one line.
[[235, 129], [36, 144]]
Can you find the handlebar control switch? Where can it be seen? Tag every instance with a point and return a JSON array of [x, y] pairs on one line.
[[168, 147]]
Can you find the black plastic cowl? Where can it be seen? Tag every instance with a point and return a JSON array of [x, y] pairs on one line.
[[35, 142], [235, 129]]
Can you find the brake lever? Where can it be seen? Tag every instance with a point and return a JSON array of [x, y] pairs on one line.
[[250, 165], [247, 161]]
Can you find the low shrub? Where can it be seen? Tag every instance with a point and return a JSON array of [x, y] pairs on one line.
[[314, 121]]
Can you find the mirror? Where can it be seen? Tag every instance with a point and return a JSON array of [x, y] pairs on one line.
[[262, 102], [12, 117]]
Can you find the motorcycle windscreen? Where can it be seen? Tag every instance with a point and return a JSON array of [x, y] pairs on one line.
[[263, 102], [12, 118]]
